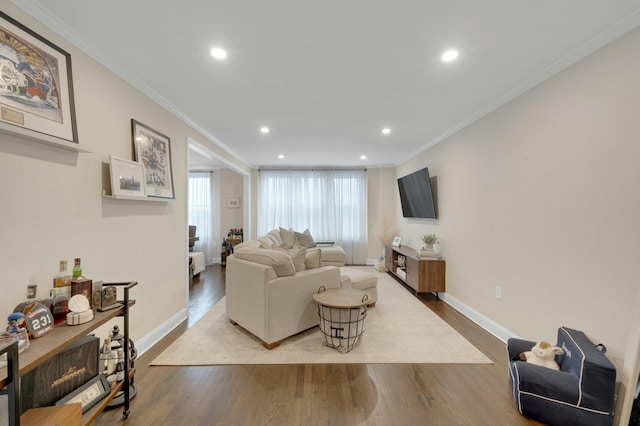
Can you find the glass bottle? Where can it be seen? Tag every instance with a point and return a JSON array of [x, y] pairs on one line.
[[120, 366], [104, 356], [77, 269], [62, 278]]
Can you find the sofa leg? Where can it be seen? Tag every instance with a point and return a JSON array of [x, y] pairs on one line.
[[371, 305], [271, 345]]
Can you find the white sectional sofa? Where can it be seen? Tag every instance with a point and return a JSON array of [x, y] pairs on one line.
[[267, 297]]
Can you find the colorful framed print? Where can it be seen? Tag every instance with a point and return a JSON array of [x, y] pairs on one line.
[[36, 88]]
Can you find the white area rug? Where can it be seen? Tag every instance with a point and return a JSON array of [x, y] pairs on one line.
[[399, 329]]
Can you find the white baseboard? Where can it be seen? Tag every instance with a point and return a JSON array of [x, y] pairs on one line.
[[150, 339], [483, 321]]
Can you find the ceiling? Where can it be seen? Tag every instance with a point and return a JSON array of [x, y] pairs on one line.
[[326, 77]]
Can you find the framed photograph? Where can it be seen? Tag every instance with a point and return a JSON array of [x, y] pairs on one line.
[[88, 394], [233, 203], [396, 241], [153, 150], [36, 89], [127, 178]]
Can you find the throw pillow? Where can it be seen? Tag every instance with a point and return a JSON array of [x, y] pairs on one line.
[[275, 234], [312, 259], [265, 242], [305, 239], [279, 261], [288, 238], [250, 244], [297, 255]]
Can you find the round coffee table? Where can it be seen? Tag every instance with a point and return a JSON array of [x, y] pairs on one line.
[[342, 312]]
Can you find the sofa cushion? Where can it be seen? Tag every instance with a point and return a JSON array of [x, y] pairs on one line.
[[275, 235], [312, 259], [297, 254], [280, 261], [250, 244], [266, 242], [305, 239], [288, 238]]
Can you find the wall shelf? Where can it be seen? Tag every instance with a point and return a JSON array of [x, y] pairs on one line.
[[44, 139], [124, 197]]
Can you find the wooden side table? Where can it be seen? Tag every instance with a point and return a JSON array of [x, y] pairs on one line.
[[342, 312]]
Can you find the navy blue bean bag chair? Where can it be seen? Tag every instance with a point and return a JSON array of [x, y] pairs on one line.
[[581, 393]]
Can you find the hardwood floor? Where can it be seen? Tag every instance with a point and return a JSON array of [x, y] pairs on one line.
[[325, 394]]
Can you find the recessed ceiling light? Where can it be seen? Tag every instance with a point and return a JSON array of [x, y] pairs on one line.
[[281, 156], [218, 53], [363, 157], [264, 129], [449, 55], [386, 131]]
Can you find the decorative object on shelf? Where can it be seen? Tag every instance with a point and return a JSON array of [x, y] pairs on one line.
[[153, 150], [88, 394], [80, 310], [37, 100], [39, 321], [396, 241], [106, 299], [127, 178], [427, 251]]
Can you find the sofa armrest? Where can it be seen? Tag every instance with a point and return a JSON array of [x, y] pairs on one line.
[[515, 346]]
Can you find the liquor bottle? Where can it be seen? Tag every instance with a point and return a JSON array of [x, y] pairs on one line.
[[107, 358], [62, 278], [77, 269], [120, 366], [223, 254]]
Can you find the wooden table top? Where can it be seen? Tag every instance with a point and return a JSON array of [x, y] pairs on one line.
[[342, 298]]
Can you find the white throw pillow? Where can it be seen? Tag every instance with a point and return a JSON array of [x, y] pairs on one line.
[[312, 259], [280, 261], [266, 242], [275, 233], [288, 238], [297, 254]]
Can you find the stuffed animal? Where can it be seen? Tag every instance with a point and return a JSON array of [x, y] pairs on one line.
[[542, 354]]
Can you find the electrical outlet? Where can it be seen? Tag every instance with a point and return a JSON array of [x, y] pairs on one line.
[[498, 292]]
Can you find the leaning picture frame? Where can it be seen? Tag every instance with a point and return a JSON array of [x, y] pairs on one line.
[[153, 150], [396, 241], [127, 178], [36, 86], [88, 394]]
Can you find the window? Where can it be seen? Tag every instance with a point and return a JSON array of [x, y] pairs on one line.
[[332, 204]]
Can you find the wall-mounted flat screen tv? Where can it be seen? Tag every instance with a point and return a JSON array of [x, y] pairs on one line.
[[416, 196]]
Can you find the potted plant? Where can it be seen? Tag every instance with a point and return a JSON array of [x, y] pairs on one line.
[[429, 240]]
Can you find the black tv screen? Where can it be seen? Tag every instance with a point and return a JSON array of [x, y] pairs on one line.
[[415, 195]]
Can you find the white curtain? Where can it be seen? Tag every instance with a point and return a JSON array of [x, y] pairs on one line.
[[201, 212], [332, 204]]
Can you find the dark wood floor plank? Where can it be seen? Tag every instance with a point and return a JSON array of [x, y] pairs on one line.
[[322, 394]]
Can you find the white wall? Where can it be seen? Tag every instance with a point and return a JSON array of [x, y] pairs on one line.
[[231, 186], [52, 207], [541, 198]]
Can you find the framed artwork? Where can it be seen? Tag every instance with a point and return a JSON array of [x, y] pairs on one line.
[[396, 241], [88, 394], [36, 88], [127, 178], [153, 150], [233, 203]]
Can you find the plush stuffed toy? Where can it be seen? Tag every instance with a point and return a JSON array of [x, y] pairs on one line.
[[542, 354]]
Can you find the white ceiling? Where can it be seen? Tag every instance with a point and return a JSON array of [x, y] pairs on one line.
[[327, 76]]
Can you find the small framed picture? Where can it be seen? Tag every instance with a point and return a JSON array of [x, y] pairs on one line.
[[396, 241], [233, 203], [127, 178], [88, 394]]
